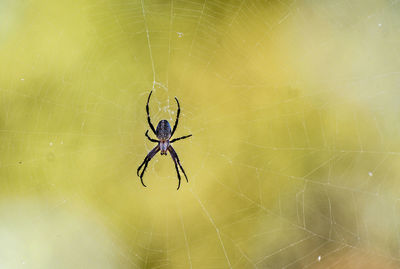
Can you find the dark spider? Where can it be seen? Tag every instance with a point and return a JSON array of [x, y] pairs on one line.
[[164, 133]]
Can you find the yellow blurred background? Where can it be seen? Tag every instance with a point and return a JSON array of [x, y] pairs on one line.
[[294, 111]]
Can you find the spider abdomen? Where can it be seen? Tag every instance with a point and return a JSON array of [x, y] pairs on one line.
[[163, 130]]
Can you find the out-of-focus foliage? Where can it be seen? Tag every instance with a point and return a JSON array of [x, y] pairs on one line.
[[293, 106]]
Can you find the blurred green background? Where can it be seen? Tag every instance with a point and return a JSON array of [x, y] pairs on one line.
[[294, 111]]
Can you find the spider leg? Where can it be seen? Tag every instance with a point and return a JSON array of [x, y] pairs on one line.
[[177, 117], [151, 139], [176, 160], [148, 114], [177, 171], [179, 138], [146, 162]]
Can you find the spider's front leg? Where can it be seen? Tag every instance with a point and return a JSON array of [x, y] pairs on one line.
[[146, 162], [175, 158]]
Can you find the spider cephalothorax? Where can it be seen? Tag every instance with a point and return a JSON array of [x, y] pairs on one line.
[[164, 133]]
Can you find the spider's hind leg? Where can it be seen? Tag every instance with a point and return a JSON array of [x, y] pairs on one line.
[[151, 139], [148, 114], [177, 117], [179, 138]]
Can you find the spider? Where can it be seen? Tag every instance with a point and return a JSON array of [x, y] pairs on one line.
[[164, 133]]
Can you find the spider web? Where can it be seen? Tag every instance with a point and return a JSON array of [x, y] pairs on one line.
[[293, 107]]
